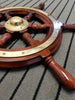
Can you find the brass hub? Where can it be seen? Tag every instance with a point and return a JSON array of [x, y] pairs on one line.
[[16, 24]]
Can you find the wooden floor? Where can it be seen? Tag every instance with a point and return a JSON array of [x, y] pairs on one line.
[[37, 82]]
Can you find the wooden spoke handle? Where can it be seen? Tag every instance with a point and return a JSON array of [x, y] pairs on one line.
[[40, 26], [7, 16], [64, 77], [69, 27], [0, 15], [29, 40], [4, 39], [29, 16], [40, 6], [1, 28]]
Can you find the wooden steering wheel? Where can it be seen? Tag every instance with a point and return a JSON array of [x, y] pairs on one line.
[[37, 50]]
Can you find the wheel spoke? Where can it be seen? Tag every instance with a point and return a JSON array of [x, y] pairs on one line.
[[2, 28], [5, 38], [29, 40], [40, 6], [29, 16], [7, 16], [0, 15], [39, 26]]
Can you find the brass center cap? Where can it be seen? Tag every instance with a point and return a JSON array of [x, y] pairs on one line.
[[16, 21], [16, 24]]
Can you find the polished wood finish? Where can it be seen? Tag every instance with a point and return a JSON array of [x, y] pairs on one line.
[[40, 6], [1, 14], [29, 40], [40, 26], [2, 28], [68, 27], [29, 16], [5, 38], [7, 16], [63, 76]]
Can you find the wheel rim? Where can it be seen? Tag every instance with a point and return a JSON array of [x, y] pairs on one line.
[[48, 42]]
